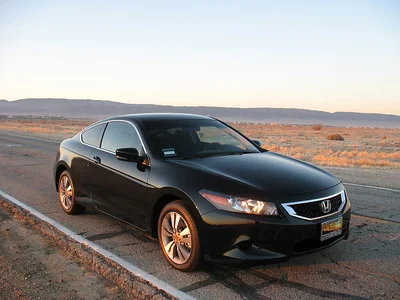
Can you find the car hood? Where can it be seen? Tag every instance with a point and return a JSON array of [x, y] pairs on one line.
[[271, 173]]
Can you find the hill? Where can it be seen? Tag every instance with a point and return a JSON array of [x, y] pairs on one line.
[[97, 109]]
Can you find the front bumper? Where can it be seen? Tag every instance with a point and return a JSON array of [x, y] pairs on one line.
[[240, 237]]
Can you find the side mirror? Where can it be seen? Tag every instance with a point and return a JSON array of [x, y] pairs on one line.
[[128, 154], [257, 142]]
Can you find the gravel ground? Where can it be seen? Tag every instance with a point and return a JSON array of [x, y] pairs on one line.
[[32, 268]]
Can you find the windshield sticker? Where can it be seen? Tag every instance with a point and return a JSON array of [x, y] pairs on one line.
[[169, 152]]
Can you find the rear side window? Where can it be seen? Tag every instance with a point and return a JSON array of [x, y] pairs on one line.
[[93, 135], [120, 135]]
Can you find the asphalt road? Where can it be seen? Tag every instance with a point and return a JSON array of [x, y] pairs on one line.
[[365, 266]]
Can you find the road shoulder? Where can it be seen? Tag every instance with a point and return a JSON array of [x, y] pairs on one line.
[[33, 268], [19, 229]]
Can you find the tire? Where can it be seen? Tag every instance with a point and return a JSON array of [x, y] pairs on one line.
[[66, 195], [179, 238]]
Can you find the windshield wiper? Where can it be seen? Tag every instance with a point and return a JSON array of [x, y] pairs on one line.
[[194, 156], [221, 154], [205, 155], [237, 153]]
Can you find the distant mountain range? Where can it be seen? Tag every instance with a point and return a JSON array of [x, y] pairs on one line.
[[97, 109]]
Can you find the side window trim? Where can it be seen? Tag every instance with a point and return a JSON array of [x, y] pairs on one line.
[[102, 136], [89, 128]]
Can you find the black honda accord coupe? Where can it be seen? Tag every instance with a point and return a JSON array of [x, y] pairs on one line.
[[203, 188]]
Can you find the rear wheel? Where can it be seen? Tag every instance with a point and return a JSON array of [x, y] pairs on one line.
[[178, 236], [66, 195]]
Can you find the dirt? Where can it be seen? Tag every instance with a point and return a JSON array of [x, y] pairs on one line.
[[32, 268]]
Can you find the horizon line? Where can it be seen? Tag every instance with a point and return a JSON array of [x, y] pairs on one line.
[[204, 106]]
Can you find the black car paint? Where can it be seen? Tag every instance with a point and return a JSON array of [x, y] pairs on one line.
[[136, 195]]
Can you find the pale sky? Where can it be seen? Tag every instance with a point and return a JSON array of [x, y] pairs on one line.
[[323, 55]]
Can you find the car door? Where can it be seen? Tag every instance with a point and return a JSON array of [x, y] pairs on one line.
[[90, 139], [120, 187]]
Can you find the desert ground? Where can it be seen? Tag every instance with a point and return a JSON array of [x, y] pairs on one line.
[[30, 268], [365, 147]]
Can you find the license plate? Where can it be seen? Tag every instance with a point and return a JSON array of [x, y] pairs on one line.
[[331, 229]]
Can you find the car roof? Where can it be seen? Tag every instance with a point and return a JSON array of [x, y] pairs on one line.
[[160, 117]]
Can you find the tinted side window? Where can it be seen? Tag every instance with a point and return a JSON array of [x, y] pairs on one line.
[[120, 135], [93, 135]]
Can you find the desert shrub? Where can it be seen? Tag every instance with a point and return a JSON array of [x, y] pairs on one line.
[[317, 127], [335, 137]]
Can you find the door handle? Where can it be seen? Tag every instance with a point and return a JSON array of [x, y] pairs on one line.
[[96, 159]]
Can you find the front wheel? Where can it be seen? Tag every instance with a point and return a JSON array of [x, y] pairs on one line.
[[178, 236], [66, 195]]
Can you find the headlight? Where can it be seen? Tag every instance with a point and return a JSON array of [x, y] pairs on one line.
[[239, 204]]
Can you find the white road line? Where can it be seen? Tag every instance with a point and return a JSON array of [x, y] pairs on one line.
[[371, 187], [30, 137], [160, 284]]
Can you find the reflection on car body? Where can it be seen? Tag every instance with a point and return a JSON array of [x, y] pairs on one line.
[[204, 189]]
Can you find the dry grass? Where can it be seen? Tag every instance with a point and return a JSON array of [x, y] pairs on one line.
[[49, 128], [362, 147], [335, 137], [317, 127]]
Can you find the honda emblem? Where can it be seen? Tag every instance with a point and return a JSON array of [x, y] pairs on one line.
[[326, 206]]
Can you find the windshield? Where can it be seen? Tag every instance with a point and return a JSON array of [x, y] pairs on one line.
[[195, 138]]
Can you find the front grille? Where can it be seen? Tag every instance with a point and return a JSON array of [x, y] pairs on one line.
[[312, 209]]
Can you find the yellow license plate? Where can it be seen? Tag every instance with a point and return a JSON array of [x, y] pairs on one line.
[[331, 229]]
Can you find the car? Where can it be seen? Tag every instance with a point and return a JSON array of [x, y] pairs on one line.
[[206, 191]]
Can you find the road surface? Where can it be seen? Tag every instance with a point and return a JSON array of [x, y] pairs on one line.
[[365, 266]]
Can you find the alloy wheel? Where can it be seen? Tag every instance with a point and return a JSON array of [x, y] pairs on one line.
[[66, 192], [176, 238]]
